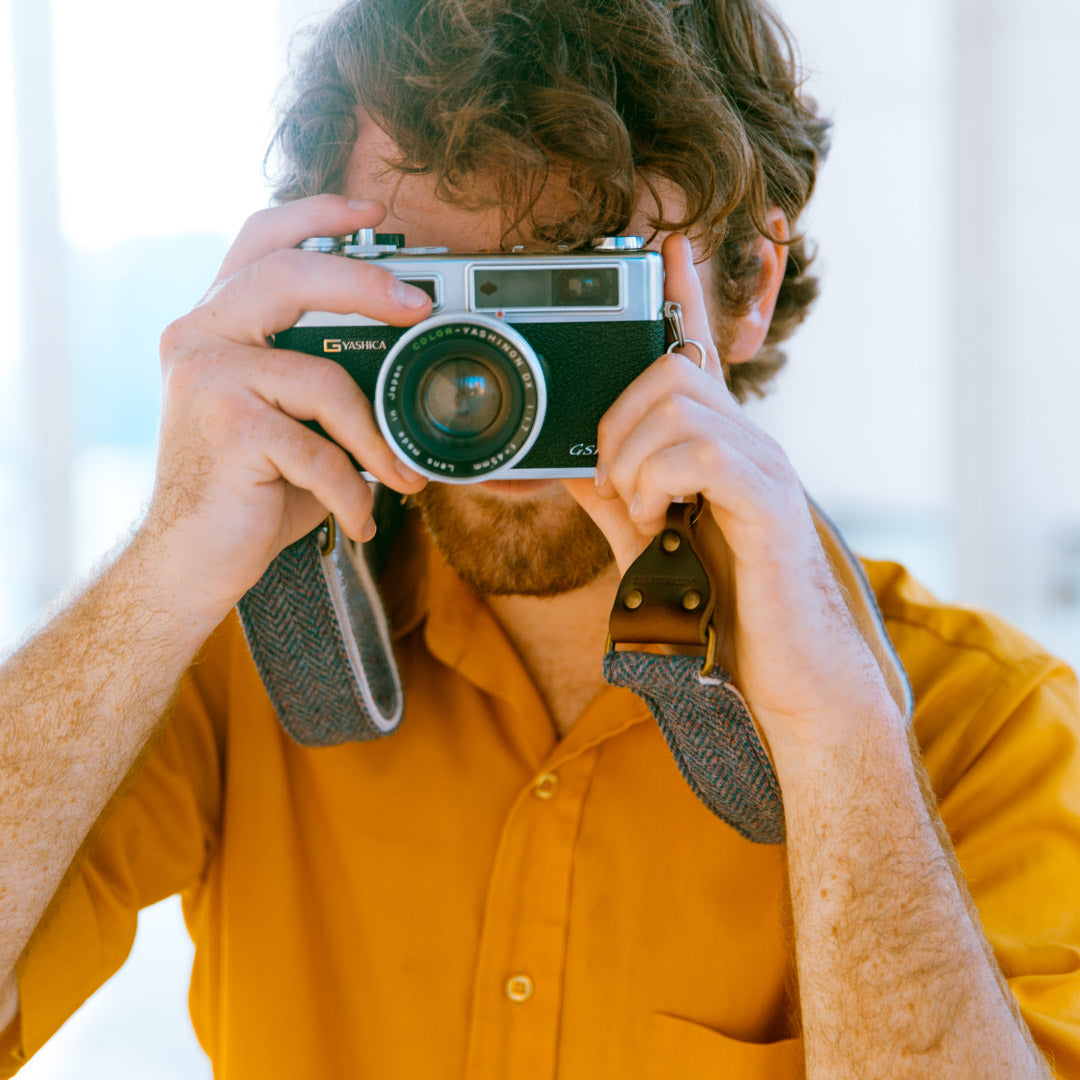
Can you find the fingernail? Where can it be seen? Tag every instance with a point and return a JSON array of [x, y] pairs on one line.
[[635, 506], [410, 296], [601, 474], [369, 530], [406, 473], [361, 204]]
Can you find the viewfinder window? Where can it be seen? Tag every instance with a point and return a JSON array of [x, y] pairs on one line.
[[546, 287]]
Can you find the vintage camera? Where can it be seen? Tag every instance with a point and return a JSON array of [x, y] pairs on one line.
[[520, 358]]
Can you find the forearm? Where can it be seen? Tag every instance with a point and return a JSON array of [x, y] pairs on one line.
[[79, 701], [895, 977]]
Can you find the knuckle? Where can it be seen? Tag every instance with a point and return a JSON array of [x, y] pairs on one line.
[[605, 433], [648, 477], [333, 381], [230, 415], [175, 340], [771, 446], [332, 462], [783, 462], [378, 284], [674, 408], [188, 371], [255, 223], [389, 287], [778, 466], [336, 389], [277, 268], [708, 453], [671, 364], [324, 202]]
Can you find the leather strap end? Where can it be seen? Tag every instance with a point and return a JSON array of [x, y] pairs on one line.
[[666, 597]]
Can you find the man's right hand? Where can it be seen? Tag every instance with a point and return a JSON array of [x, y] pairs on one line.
[[239, 476]]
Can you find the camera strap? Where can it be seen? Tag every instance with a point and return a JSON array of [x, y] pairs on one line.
[[318, 634], [668, 597], [316, 628]]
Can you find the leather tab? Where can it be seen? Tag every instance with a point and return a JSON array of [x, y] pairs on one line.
[[666, 597]]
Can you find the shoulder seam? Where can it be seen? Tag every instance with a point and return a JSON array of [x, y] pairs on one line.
[[1035, 655]]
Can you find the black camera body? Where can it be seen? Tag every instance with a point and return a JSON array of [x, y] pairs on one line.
[[522, 355]]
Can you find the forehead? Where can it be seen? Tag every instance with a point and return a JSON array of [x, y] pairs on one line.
[[415, 209]]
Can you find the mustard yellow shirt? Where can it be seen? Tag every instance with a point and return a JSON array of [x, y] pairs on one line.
[[474, 898]]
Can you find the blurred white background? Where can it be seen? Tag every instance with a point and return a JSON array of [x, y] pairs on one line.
[[929, 403]]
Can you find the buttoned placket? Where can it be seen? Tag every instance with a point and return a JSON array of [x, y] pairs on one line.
[[518, 992], [517, 997], [518, 987]]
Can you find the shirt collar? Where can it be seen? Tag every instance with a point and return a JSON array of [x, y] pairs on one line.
[[415, 574]]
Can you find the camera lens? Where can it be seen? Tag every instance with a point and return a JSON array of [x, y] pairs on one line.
[[461, 397]]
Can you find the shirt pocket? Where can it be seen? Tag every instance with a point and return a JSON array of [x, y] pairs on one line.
[[682, 1050]]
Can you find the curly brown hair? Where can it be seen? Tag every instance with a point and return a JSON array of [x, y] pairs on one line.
[[703, 94]]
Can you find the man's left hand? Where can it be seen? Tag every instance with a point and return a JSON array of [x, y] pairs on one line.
[[788, 639]]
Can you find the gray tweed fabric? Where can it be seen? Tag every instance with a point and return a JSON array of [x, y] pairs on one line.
[[317, 633], [712, 735]]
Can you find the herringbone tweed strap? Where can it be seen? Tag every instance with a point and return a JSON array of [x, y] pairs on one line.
[[711, 733], [317, 632]]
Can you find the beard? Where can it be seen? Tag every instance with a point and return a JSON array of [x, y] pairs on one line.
[[514, 547]]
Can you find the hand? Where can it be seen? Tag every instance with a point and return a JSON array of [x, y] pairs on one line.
[[239, 476], [787, 637]]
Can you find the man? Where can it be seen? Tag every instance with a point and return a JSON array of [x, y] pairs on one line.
[[518, 882]]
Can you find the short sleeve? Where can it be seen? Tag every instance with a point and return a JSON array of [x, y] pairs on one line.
[[1010, 798], [155, 839]]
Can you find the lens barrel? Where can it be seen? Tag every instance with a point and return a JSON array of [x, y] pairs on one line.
[[461, 398]]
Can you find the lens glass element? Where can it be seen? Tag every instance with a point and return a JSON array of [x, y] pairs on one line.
[[461, 396]]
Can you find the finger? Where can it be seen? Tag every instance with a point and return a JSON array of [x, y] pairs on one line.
[[672, 421], [300, 386], [682, 285], [731, 481], [612, 519], [269, 296], [302, 513], [307, 460], [669, 376], [285, 226], [312, 388]]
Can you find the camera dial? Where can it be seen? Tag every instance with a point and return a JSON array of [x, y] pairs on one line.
[[617, 243]]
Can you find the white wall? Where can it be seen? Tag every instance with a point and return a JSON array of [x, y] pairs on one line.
[[863, 406], [1017, 285], [931, 401]]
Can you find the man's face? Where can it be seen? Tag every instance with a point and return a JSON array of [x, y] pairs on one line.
[[524, 537]]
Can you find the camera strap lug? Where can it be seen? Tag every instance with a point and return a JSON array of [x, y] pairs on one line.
[[673, 323]]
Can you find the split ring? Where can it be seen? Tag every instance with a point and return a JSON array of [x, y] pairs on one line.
[[697, 345]]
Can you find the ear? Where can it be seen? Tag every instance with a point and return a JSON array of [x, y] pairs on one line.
[[750, 329]]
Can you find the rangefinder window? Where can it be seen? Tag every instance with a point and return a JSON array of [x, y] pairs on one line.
[[587, 286], [546, 287]]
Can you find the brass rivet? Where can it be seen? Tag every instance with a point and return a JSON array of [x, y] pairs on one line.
[[691, 599], [671, 540], [633, 600]]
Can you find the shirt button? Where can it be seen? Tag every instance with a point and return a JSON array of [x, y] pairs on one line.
[[519, 988], [546, 786]]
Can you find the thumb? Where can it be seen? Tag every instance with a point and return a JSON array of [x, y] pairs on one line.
[[611, 517]]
